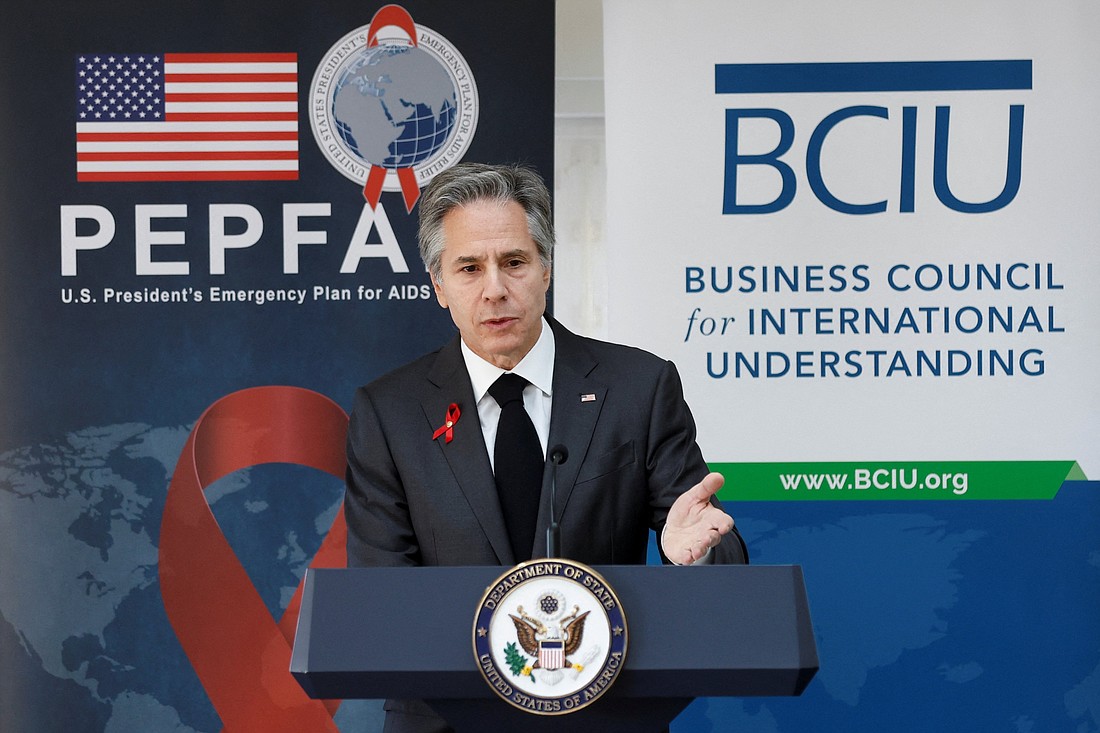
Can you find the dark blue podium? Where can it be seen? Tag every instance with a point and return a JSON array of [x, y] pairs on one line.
[[712, 631]]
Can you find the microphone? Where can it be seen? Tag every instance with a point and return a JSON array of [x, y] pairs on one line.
[[558, 455]]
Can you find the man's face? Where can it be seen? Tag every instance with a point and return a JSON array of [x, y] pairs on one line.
[[492, 280]]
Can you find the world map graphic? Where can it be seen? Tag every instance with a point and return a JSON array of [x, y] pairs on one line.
[[394, 106]]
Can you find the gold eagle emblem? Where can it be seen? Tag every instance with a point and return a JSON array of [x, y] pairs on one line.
[[530, 631]]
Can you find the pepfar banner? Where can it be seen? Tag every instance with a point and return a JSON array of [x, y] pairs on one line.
[[207, 242]]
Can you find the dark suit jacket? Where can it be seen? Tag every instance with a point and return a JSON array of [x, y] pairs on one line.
[[417, 500]]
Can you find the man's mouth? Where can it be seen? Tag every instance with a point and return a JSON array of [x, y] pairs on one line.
[[499, 322]]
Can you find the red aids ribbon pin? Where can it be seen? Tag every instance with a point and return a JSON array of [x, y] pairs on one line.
[[239, 652], [448, 427], [397, 16]]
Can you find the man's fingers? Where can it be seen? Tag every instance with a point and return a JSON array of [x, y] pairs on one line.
[[709, 486], [720, 528], [694, 552], [698, 495], [723, 523]]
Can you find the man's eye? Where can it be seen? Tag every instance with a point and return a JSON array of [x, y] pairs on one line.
[[469, 268]]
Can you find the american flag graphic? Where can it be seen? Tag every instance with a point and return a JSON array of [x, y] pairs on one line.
[[552, 654], [187, 117]]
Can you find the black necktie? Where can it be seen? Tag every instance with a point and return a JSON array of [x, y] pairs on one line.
[[517, 463]]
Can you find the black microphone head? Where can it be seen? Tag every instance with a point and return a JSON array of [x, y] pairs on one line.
[[559, 454]]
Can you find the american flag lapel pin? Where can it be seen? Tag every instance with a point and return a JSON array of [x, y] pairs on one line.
[[588, 397]]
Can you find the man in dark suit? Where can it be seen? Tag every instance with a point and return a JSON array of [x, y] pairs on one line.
[[425, 457]]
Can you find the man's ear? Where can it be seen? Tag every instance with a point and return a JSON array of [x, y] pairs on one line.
[[439, 296]]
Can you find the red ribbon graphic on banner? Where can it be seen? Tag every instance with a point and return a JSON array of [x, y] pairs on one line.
[[391, 15], [239, 652]]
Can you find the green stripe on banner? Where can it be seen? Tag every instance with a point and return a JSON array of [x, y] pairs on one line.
[[901, 480]]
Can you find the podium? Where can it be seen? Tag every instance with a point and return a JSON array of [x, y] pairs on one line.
[[710, 631]]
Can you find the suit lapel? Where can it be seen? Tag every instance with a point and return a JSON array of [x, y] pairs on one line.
[[466, 453], [577, 403]]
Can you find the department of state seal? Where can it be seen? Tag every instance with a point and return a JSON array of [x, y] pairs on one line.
[[550, 636]]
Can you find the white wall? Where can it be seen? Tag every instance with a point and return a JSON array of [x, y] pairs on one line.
[[580, 288]]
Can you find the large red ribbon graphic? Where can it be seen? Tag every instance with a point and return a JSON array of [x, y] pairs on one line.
[[391, 15], [239, 652]]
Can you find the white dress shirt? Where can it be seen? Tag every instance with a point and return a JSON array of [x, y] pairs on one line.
[[537, 367]]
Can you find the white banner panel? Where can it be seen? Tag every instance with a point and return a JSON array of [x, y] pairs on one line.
[[867, 235], [863, 231]]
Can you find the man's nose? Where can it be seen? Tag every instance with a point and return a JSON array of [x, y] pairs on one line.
[[495, 288]]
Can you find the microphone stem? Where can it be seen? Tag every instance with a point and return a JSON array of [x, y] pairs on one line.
[[553, 532]]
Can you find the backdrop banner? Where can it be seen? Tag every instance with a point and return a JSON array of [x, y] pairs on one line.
[[208, 238], [866, 234]]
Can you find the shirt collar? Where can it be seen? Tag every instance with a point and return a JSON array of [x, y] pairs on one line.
[[537, 367]]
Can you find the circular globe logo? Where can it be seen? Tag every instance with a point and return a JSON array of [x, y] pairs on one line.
[[392, 104]]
